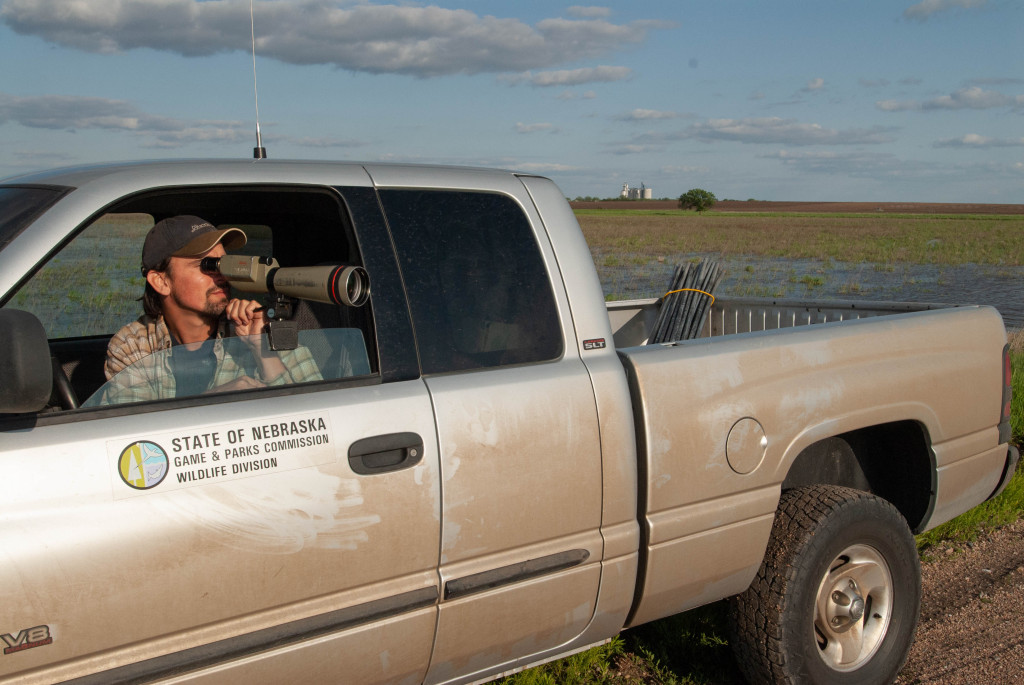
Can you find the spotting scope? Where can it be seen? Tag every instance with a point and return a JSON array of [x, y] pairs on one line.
[[334, 284]]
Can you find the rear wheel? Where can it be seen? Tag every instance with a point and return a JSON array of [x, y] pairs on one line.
[[837, 596]]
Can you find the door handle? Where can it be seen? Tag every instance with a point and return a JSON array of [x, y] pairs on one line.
[[385, 453]]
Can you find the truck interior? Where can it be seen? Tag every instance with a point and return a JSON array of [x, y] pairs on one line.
[[91, 285]]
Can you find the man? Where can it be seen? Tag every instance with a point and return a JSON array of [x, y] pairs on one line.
[[190, 310]]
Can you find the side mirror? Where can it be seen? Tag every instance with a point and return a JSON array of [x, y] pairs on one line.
[[26, 373]]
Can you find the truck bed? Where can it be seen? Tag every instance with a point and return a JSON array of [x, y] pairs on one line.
[[723, 420]]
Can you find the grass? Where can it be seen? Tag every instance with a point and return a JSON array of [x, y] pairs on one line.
[[1009, 506], [886, 239]]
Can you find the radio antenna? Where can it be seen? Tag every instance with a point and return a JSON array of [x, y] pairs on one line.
[[258, 152]]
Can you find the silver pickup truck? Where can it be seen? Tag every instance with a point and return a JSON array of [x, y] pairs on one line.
[[490, 468]]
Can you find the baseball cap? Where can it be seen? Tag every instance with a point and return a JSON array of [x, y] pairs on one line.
[[186, 236]]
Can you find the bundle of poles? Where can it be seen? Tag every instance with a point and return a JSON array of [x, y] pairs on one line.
[[686, 302]]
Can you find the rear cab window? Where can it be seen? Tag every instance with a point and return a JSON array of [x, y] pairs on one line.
[[478, 290]]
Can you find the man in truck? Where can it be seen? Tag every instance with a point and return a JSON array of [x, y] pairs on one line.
[[188, 309]]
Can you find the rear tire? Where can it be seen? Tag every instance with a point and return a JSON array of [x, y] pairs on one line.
[[837, 597]]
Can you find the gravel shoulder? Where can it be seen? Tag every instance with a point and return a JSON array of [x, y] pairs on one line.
[[973, 599]]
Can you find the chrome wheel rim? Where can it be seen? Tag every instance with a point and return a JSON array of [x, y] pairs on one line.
[[853, 608]]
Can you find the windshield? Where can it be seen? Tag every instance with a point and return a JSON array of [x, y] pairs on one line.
[[20, 205], [219, 364]]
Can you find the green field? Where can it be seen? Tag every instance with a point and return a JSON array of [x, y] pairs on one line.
[[913, 238]]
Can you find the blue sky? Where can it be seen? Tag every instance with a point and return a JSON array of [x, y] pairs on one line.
[[920, 100]]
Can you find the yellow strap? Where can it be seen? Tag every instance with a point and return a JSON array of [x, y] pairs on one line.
[[693, 289]]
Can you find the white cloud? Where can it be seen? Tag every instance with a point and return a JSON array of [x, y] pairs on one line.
[[544, 168], [756, 131], [814, 84], [857, 164], [76, 113], [520, 127], [588, 12], [965, 98], [647, 115], [321, 142], [973, 140], [570, 77], [997, 81], [922, 10], [65, 112], [42, 159], [420, 41], [635, 149], [685, 169], [775, 130]]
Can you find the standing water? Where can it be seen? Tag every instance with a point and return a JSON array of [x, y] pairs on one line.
[[641, 276]]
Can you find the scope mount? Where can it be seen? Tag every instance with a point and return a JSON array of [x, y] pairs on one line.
[[282, 331]]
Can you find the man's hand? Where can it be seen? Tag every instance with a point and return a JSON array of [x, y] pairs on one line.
[[247, 315]]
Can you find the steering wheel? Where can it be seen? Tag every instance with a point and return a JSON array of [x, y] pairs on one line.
[[65, 394]]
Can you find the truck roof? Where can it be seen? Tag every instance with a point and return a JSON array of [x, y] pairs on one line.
[[191, 171]]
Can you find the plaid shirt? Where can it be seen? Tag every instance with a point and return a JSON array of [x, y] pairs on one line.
[[138, 365]]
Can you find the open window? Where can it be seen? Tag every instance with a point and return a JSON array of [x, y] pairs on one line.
[[91, 287]]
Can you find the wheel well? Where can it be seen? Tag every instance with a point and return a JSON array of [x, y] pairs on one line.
[[892, 461]]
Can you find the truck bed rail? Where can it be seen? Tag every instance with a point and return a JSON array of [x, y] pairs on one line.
[[633, 320]]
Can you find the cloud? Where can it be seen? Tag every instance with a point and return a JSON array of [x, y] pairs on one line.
[[925, 9], [588, 12], [544, 167], [42, 159], [570, 77], [999, 81], [319, 142], [774, 130], [69, 113], [636, 149], [647, 115], [756, 131], [813, 85], [422, 41], [973, 97], [973, 140], [685, 169], [870, 165], [78, 113], [535, 128]]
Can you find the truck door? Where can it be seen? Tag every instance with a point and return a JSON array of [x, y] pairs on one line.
[[517, 431], [288, 533]]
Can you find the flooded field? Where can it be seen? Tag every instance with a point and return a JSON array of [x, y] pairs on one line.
[[628, 276]]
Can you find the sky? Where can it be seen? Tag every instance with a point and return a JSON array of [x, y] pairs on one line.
[[875, 100]]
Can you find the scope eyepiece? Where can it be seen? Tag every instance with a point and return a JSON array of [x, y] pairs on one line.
[[210, 265]]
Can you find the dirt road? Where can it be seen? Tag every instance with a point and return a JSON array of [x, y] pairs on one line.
[[972, 614]]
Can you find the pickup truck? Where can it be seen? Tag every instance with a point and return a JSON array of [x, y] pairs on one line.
[[492, 468]]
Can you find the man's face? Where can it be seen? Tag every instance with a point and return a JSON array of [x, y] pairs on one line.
[[195, 290]]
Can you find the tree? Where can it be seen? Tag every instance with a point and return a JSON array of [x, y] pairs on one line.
[[697, 199]]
